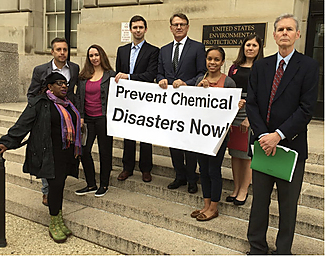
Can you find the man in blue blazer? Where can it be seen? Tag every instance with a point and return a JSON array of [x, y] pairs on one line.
[[279, 107], [137, 61], [180, 63], [59, 63]]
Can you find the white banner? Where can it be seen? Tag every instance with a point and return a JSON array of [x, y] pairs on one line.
[[190, 118]]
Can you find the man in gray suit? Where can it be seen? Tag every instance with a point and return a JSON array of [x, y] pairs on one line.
[[180, 63], [60, 64]]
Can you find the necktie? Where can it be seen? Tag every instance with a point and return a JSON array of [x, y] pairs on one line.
[[176, 54], [276, 81], [132, 58]]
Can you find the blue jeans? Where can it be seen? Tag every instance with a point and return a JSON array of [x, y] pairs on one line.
[[45, 186]]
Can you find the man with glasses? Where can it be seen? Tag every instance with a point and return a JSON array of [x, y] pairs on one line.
[[59, 64], [180, 63]]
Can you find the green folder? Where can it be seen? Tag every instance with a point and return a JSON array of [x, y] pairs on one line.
[[281, 165]]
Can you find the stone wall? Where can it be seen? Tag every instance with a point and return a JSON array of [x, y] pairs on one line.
[[9, 72], [102, 24], [22, 23]]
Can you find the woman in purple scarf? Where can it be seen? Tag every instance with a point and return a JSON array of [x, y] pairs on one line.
[[53, 146]]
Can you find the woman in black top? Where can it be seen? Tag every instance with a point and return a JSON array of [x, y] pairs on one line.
[[250, 51], [53, 146]]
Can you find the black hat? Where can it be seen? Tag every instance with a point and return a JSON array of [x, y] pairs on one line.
[[54, 76]]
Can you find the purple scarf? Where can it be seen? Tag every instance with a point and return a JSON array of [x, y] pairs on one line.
[[69, 133]]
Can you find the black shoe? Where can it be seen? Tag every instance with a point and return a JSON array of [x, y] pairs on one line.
[[192, 188], [176, 184], [230, 198], [237, 202], [86, 190], [101, 191], [249, 253], [275, 252]]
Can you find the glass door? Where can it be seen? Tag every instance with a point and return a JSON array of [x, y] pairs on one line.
[[315, 48]]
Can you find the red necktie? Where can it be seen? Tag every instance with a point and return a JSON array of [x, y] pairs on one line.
[[276, 81]]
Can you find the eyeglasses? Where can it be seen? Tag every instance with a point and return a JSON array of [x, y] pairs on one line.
[[61, 83], [175, 25]]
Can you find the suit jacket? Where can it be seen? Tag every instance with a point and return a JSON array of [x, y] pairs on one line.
[[145, 68], [104, 88], [191, 63], [293, 104], [40, 72]]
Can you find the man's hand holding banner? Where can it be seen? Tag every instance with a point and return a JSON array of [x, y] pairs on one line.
[[190, 118]]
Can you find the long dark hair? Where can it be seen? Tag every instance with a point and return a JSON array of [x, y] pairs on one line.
[[241, 58], [88, 69]]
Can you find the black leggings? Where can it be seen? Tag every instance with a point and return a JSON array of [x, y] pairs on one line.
[[56, 187], [210, 173], [97, 127]]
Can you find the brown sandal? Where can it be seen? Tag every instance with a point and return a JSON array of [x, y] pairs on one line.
[[195, 213], [203, 217]]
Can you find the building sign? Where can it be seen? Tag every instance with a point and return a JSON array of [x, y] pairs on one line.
[[231, 35], [125, 32]]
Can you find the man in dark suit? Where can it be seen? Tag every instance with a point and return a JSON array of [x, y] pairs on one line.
[[180, 63], [60, 64], [137, 61], [281, 98]]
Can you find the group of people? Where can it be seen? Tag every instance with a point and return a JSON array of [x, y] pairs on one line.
[[61, 102]]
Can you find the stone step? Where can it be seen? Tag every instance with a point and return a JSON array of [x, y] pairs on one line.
[[152, 202], [314, 173], [122, 234], [10, 111], [311, 195]]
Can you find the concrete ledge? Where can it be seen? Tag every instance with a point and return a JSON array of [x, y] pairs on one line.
[[311, 195], [152, 202], [8, 47]]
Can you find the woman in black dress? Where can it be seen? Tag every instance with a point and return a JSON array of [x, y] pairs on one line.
[[250, 51], [53, 146]]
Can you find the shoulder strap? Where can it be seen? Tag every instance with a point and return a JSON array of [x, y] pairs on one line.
[[231, 70], [221, 81]]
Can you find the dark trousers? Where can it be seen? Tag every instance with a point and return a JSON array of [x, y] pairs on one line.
[[145, 159], [288, 194], [210, 173], [97, 127], [184, 163], [56, 187]]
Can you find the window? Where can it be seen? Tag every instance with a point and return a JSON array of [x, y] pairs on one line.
[[54, 20]]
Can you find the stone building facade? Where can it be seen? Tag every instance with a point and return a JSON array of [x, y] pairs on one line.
[[33, 23]]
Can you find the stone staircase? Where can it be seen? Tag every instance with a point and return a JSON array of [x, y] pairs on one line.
[[147, 218]]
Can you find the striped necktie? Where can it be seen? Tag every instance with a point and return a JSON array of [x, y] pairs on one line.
[[276, 81]]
